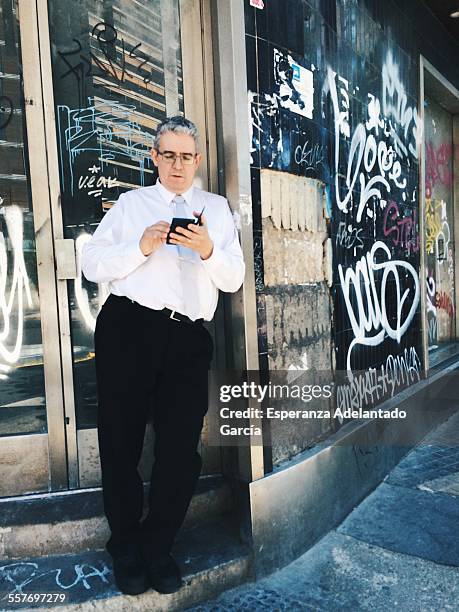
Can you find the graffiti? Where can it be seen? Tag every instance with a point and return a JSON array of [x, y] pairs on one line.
[[368, 311], [295, 83], [438, 166], [12, 292], [395, 106], [258, 263], [309, 155], [430, 287], [343, 112], [112, 59], [93, 184], [432, 330], [349, 237], [364, 147], [81, 294], [376, 148], [402, 230], [365, 457], [431, 307], [437, 228], [373, 385], [293, 90], [21, 574], [444, 302], [105, 128], [6, 111], [80, 71], [364, 155]]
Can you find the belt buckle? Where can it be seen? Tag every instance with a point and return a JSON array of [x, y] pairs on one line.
[[171, 316]]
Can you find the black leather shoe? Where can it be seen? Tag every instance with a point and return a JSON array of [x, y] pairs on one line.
[[164, 574], [130, 575]]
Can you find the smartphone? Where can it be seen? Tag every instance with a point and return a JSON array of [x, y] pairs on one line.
[[180, 222]]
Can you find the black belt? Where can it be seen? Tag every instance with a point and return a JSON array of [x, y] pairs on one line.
[[177, 316], [170, 314]]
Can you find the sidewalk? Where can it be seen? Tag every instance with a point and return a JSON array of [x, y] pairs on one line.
[[398, 550]]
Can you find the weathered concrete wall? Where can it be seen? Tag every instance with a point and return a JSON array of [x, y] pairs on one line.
[[294, 229], [299, 327], [297, 264]]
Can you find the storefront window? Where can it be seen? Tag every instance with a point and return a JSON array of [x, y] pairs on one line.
[[22, 385], [439, 228]]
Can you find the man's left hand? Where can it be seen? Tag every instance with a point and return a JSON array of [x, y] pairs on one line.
[[196, 238]]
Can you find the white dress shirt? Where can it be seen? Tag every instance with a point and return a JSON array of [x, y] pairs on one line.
[[188, 285]]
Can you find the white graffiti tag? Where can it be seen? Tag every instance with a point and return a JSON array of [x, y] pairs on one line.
[[364, 150], [372, 385], [81, 295], [12, 289], [377, 145], [18, 575], [368, 311], [395, 106]]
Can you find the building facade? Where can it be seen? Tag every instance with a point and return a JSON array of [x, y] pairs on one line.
[[332, 127]]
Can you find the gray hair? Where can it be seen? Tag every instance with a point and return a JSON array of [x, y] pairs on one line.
[[179, 125]]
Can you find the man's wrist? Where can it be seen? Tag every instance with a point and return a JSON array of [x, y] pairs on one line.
[[141, 249], [208, 253]]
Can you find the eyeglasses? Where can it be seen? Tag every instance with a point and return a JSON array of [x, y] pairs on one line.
[[170, 157]]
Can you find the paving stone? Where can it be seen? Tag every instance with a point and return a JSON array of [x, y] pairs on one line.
[[341, 573], [445, 484], [408, 521], [436, 456], [424, 463]]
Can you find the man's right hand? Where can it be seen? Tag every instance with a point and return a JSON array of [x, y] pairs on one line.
[[153, 237]]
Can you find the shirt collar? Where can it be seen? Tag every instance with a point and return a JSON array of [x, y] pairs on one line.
[[168, 196]]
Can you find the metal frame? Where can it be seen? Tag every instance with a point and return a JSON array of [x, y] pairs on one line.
[[422, 213], [38, 154], [199, 102], [58, 233], [451, 92], [234, 165], [197, 68], [456, 205]]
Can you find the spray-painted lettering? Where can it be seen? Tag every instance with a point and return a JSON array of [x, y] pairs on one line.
[[367, 309], [401, 230]]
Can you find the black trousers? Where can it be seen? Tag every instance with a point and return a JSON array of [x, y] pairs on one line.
[[148, 367]]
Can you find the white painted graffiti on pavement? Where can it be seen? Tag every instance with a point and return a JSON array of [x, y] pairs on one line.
[[21, 574]]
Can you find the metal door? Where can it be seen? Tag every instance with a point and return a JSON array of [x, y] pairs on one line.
[[32, 436], [111, 71]]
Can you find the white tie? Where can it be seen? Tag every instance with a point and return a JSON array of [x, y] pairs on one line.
[[186, 259]]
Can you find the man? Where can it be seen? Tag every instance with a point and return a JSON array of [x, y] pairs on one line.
[[150, 344]]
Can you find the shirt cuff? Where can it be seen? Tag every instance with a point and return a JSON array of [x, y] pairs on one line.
[[133, 253], [212, 263]]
